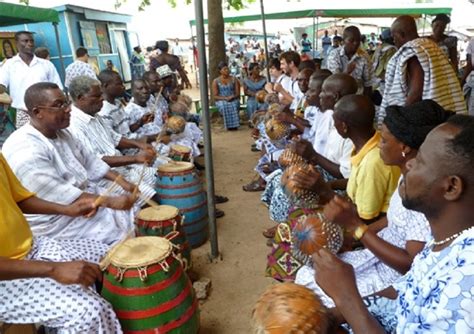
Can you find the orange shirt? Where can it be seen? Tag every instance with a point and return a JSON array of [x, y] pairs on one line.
[[15, 233]]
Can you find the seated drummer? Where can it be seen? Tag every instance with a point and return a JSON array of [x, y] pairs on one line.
[[389, 253], [436, 294], [371, 183], [50, 162], [43, 280], [89, 129]]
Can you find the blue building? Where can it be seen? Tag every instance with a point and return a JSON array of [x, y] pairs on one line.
[[103, 33]]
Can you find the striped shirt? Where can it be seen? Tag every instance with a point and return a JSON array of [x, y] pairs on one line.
[[94, 134], [440, 82], [114, 116]]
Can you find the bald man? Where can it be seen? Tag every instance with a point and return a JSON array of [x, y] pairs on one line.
[[419, 71], [51, 163], [352, 60]]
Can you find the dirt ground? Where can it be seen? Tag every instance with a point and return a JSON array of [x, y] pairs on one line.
[[238, 277]]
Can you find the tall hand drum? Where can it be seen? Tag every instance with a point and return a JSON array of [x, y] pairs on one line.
[[149, 289], [165, 221], [180, 153], [178, 185]]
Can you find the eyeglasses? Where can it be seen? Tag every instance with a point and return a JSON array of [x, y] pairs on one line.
[[62, 107]]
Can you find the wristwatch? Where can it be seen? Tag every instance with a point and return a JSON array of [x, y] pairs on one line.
[[359, 232]]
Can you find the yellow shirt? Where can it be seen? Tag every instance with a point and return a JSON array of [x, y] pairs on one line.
[[15, 233], [371, 182]]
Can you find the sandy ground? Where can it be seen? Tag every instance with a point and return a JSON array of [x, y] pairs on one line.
[[238, 277]]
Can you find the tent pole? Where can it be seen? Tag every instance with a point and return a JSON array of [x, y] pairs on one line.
[[265, 39], [317, 30], [315, 46], [61, 60], [203, 87]]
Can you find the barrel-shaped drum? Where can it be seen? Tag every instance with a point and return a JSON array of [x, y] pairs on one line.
[[148, 288], [178, 185], [180, 153], [165, 221]]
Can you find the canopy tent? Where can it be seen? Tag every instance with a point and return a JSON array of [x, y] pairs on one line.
[[11, 14], [379, 12]]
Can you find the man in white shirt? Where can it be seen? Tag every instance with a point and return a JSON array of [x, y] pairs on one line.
[[79, 66], [289, 62], [23, 70], [277, 77]]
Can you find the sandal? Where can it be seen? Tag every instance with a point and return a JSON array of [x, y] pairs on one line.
[[218, 199], [219, 213], [270, 232], [253, 186]]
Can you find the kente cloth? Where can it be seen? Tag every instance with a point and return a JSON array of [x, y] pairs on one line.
[[372, 275], [440, 83], [64, 309], [60, 170]]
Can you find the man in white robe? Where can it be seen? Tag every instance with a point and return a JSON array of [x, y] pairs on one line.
[[89, 129], [50, 162]]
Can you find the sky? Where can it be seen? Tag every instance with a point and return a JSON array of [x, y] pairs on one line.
[[160, 20]]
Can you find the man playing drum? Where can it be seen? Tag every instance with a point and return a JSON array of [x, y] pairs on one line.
[[43, 280], [54, 165]]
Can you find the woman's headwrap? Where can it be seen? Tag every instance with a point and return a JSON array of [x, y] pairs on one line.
[[411, 124]]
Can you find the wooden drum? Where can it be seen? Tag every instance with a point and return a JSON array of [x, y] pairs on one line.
[[180, 153], [149, 289], [165, 221], [178, 185]]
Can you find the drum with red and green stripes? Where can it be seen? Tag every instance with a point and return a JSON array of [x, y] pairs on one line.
[[148, 288], [165, 221]]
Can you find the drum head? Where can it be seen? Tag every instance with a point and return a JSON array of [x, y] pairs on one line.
[[140, 252], [178, 166], [180, 148], [162, 212]]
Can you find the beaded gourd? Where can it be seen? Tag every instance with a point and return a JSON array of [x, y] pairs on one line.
[[289, 308], [302, 198], [313, 232]]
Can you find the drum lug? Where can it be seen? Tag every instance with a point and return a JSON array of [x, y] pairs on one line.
[[143, 273], [170, 236], [165, 266]]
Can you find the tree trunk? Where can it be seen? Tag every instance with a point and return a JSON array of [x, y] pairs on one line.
[[216, 38]]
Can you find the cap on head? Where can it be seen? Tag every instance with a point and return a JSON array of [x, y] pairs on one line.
[[164, 71]]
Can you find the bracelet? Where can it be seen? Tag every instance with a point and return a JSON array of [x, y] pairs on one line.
[[359, 232]]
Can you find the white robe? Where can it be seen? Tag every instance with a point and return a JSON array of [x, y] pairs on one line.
[[60, 170]]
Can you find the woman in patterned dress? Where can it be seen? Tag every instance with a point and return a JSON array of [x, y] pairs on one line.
[[389, 253], [252, 84], [226, 91]]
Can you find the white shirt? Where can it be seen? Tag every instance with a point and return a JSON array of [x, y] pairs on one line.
[[470, 50], [18, 77], [294, 90]]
